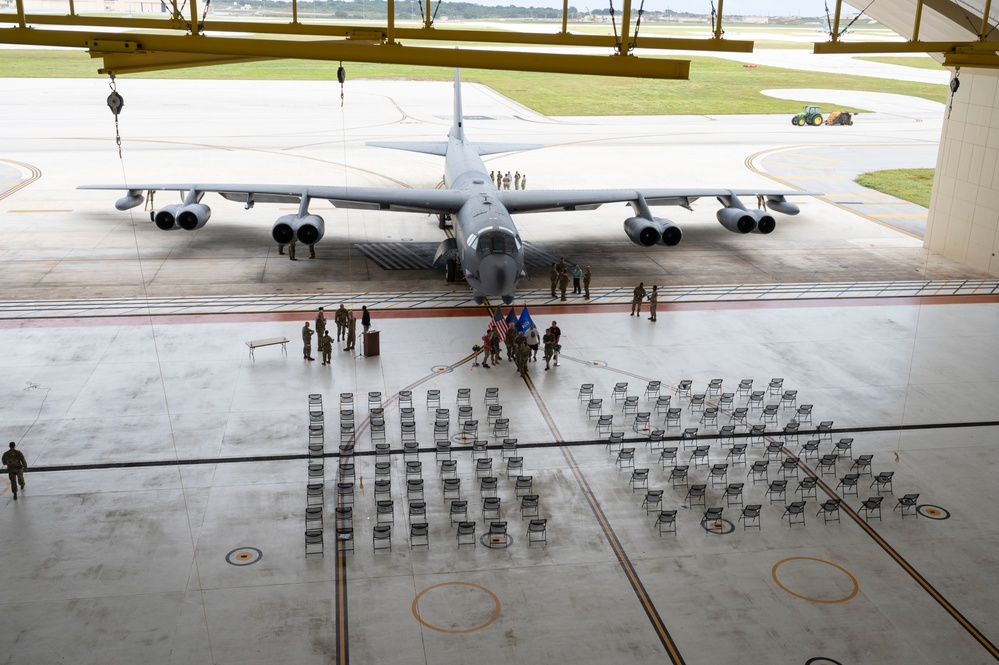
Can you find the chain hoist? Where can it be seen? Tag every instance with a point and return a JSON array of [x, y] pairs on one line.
[[955, 83], [115, 103], [341, 76]]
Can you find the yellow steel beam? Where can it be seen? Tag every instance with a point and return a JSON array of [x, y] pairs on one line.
[[345, 50], [121, 63], [972, 60], [903, 47], [401, 33]]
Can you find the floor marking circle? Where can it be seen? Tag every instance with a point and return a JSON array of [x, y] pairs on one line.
[[456, 631], [849, 596], [822, 661], [441, 369], [720, 527], [932, 512], [244, 556], [598, 363], [487, 538]]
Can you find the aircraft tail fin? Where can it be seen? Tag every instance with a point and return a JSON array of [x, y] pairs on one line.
[[457, 131]]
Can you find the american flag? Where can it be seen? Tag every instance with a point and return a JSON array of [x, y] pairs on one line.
[[499, 323]]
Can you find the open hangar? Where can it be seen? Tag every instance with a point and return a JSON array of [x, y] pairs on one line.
[[165, 507]]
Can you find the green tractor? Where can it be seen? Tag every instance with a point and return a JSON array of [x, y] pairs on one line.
[[811, 116]]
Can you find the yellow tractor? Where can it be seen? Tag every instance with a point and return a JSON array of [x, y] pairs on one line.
[[811, 116]]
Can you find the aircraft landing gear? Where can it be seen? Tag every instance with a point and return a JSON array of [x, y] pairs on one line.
[[442, 221], [451, 270]]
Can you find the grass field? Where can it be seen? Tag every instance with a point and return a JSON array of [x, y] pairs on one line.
[[716, 86], [912, 185]]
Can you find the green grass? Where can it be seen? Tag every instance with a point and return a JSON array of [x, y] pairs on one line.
[[912, 185], [919, 62], [716, 86]]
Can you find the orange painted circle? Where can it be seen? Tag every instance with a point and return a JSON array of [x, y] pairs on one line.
[[456, 631], [932, 511], [856, 585]]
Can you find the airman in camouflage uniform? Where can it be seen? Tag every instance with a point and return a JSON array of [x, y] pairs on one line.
[[586, 282], [320, 323], [563, 282], [14, 460], [522, 353], [326, 347], [554, 277], [653, 302], [511, 339], [340, 318], [351, 332], [637, 297], [307, 334]]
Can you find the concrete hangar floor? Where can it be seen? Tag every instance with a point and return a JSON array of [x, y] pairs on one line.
[[164, 511]]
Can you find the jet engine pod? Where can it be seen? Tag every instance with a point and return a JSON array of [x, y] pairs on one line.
[[128, 201], [737, 220], [166, 217], [194, 216], [783, 206], [284, 228], [311, 229], [668, 231], [642, 231], [764, 223]]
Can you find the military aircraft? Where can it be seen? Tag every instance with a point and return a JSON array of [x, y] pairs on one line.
[[486, 248]]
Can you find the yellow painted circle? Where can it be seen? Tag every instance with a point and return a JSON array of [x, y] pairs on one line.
[[856, 585], [456, 631], [932, 511]]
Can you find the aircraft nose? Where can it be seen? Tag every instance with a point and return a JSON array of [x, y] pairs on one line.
[[498, 275]]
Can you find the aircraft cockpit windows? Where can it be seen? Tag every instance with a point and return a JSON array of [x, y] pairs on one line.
[[497, 243]]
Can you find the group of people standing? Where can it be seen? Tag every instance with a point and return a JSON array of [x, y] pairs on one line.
[[503, 181], [346, 329], [639, 295], [559, 275], [291, 250], [521, 348]]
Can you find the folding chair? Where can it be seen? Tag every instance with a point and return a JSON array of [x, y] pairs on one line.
[[759, 471], [433, 399], [620, 392], [405, 399], [594, 408], [491, 396], [718, 475], [871, 507], [844, 446], [776, 386], [807, 488], [458, 511], [667, 456], [374, 400], [745, 387], [419, 535], [696, 403], [673, 418], [883, 481], [524, 485], [314, 542], [537, 532], [514, 466], [626, 457], [795, 513], [464, 397], [710, 417], [696, 494], [653, 501], [491, 507], [652, 389], [487, 486], [789, 467], [683, 388], [809, 449], [737, 453], [666, 521], [509, 448], [863, 464], [639, 479], [529, 506], [381, 537], [678, 476], [733, 494], [483, 467], [417, 511], [641, 424], [789, 400], [776, 490], [750, 516], [849, 484], [585, 392], [630, 405], [385, 511], [689, 437], [713, 520], [714, 388], [452, 489], [699, 456], [907, 505], [829, 510], [466, 534], [662, 404]]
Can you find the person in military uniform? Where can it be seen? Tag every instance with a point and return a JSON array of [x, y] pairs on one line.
[[523, 354], [563, 282], [312, 251], [523, 181], [516, 180], [554, 277], [586, 282], [320, 323], [291, 251], [636, 299], [492, 175], [340, 318], [653, 302], [549, 341], [14, 460], [507, 179], [307, 334], [511, 339], [326, 347], [351, 332], [499, 180], [281, 249], [494, 344]]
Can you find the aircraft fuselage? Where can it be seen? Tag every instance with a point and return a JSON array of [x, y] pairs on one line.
[[489, 247]]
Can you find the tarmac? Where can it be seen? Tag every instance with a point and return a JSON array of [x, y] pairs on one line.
[[164, 513]]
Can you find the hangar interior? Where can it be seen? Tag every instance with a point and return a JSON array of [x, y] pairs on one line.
[[835, 511]]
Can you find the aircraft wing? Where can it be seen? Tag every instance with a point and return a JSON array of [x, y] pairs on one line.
[[550, 200], [364, 198]]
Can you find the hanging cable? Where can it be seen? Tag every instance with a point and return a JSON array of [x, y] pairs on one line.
[[341, 76], [854, 20], [638, 24], [436, 9], [204, 14], [714, 20], [115, 103], [617, 44]]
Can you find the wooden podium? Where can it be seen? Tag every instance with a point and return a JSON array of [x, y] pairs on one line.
[[371, 343]]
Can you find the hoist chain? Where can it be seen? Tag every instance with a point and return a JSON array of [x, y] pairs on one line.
[[115, 103]]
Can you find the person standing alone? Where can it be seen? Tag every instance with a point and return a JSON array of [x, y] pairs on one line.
[[307, 334], [14, 460]]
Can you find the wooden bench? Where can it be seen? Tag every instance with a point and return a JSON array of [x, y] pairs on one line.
[[270, 341]]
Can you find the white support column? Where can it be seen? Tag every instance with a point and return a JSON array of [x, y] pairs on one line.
[[963, 222]]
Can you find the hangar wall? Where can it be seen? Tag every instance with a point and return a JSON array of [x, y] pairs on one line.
[[963, 222]]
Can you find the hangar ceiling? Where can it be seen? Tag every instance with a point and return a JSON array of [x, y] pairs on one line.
[[184, 36]]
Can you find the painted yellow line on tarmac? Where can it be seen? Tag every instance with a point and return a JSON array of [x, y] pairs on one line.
[[770, 162]]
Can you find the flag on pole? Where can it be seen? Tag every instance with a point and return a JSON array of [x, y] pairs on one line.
[[499, 323], [525, 322], [511, 320]]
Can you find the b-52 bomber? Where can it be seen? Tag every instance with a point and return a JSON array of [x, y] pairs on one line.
[[486, 248]]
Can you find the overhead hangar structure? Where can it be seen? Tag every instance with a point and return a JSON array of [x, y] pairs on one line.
[[963, 222], [176, 34]]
